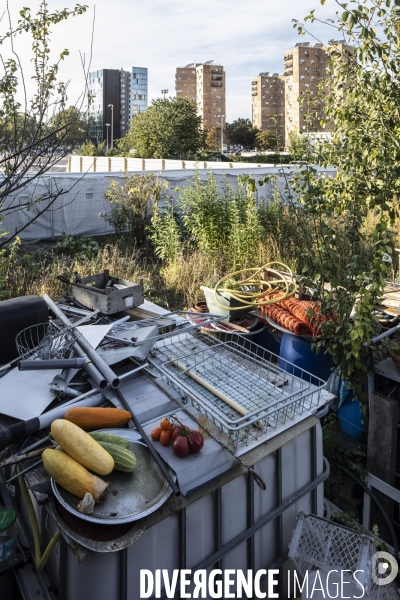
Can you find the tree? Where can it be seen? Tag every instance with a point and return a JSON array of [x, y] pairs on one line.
[[169, 128], [71, 127], [213, 139], [267, 140], [33, 135], [362, 102], [299, 146], [89, 148], [241, 133]]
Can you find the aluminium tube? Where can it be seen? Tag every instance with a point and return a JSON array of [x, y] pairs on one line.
[[90, 368], [23, 429], [96, 359], [58, 363]]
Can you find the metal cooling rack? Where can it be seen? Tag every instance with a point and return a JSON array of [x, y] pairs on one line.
[[169, 324], [244, 372]]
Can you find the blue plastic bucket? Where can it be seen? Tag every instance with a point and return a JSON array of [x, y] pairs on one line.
[[297, 350]]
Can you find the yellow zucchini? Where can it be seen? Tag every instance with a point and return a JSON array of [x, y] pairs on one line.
[[80, 446], [72, 476]]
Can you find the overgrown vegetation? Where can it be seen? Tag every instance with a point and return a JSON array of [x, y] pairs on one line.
[[178, 246]]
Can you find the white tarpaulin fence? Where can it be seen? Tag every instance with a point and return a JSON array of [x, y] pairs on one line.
[[77, 210]]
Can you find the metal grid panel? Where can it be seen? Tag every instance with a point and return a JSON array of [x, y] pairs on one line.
[[244, 372]]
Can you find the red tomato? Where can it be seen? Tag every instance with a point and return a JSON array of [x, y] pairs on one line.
[[196, 441], [181, 446], [177, 431]]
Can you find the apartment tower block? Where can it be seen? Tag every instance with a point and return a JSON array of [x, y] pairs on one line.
[[204, 84], [268, 103], [306, 66]]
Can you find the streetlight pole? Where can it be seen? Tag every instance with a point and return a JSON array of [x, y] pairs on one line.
[[112, 125], [107, 125], [164, 92]]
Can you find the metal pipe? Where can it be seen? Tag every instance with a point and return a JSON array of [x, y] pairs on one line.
[[250, 520], [96, 359], [182, 538], [23, 429], [90, 368], [218, 522], [58, 363]]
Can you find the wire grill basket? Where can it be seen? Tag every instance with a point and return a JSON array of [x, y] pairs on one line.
[[318, 544], [45, 341], [242, 371]]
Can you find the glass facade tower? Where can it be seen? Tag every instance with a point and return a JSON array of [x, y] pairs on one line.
[[139, 91], [125, 90]]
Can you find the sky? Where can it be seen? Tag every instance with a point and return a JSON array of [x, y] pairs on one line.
[[245, 36]]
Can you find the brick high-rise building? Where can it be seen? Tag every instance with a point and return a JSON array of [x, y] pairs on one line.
[[305, 68], [204, 84], [268, 103]]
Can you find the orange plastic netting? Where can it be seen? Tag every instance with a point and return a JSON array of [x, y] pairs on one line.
[[298, 316], [285, 318]]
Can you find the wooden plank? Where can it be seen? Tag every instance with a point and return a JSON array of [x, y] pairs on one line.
[[381, 453]]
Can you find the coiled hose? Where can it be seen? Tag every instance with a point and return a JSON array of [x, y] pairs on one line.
[[284, 283]]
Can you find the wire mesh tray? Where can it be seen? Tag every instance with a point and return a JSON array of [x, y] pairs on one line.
[[169, 324], [209, 372]]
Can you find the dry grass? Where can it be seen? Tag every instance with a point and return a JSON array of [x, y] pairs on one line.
[[174, 284], [29, 275]]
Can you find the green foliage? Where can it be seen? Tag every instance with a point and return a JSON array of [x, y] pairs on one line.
[[362, 103], [165, 231], [300, 148], [132, 205], [30, 137], [272, 159], [80, 247], [241, 133], [75, 127], [169, 128], [89, 148], [266, 140], [212, 139], [215, 223], [352, 459]]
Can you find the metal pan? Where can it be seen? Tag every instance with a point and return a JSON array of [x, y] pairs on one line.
[[131, 496]]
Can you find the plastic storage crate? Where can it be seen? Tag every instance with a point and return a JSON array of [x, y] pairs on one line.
[[318, 544]]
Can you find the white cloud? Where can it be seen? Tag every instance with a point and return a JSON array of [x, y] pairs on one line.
[[246, 36]]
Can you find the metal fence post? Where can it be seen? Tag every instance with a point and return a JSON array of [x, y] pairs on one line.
[[80, 164], [143, 164]]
